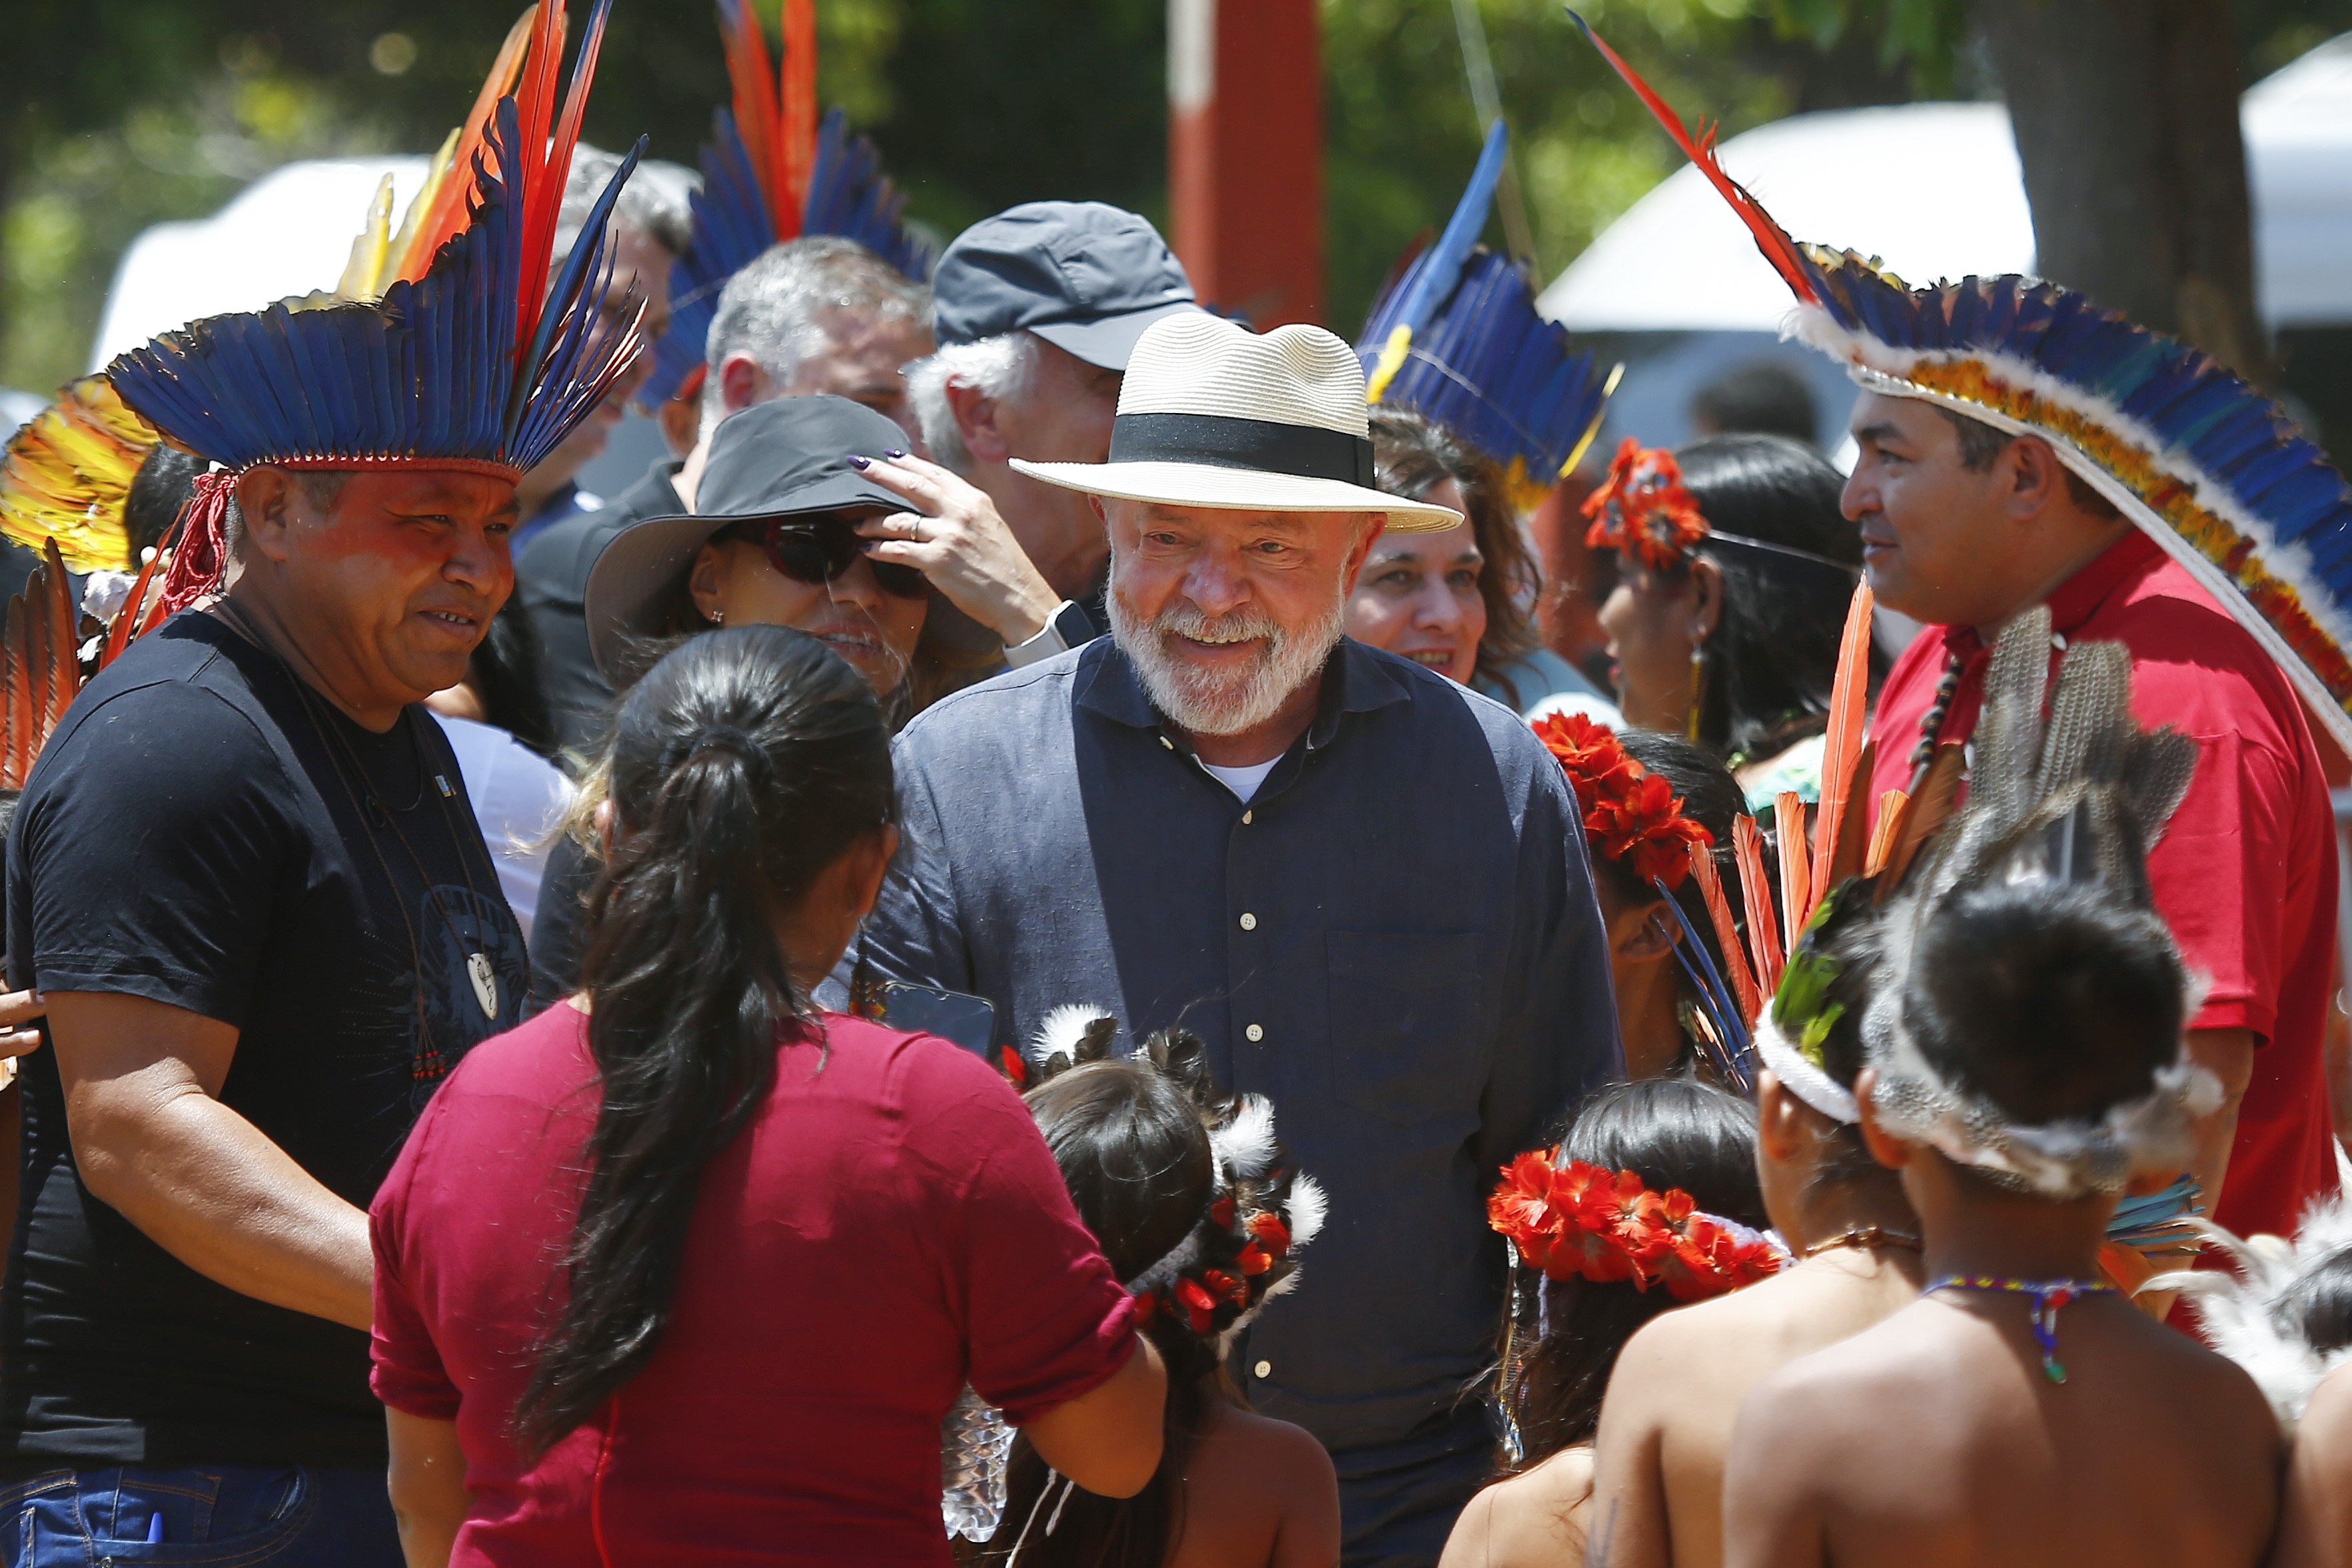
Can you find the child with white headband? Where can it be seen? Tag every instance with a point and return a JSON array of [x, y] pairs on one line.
[[2025, 1070], [1658, 1483]]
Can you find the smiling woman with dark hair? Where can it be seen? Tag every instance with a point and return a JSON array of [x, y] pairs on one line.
[[1735, 570], [1461, 600]]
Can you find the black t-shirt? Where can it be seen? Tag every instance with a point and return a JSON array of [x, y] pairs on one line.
[[551, 580], [559, 932], [194, 834]]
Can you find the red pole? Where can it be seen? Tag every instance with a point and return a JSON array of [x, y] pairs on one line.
[[1245, 155]]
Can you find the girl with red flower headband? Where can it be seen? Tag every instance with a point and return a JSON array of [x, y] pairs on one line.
[[1649, 1202], [1648, 801], [1734, 566], [1194, 1202]]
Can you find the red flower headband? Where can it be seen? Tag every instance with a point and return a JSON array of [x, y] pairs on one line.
[[1577, 1219], [1643, 508], [1628, 810]]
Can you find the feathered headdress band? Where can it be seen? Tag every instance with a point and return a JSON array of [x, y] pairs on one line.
[[2211, 468], [1575, 1220], [1262, 1211]]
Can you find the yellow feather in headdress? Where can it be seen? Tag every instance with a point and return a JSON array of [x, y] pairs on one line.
[[68, 473]]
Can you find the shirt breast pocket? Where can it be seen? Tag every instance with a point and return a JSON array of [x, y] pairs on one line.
[[1404, 1013]]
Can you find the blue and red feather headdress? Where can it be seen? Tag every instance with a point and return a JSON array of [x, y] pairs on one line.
[[1457, 340], [772, 172], [2210, 467], [468, 359]]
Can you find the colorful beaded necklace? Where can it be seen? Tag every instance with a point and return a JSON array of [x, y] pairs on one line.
[[2049, 1295]]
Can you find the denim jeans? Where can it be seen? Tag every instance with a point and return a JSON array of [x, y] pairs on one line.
[[217, 1516]]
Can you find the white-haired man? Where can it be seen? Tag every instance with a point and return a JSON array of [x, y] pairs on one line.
[[1036, 312], [819, 314], [1364, 887]]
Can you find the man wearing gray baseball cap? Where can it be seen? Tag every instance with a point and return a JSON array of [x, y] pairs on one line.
[[1036, 310]]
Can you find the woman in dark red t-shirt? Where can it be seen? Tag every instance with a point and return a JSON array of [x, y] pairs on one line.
[[686, 1271]]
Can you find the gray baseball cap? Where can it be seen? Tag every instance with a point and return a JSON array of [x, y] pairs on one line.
[[1085, 277]]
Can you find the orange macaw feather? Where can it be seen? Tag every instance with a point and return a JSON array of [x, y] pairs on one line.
[[755, 105], [1795, 864], [1932, 804], [547, 195], [22, 702], [1893, 807], [535, 118], [1756, 892], [1849, 852], [1842, 744], [63, 624], [796, 112], [1770, 238], [1727, 933], [451, 196]]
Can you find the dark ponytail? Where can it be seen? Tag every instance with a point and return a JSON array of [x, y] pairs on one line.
[[744, 763]]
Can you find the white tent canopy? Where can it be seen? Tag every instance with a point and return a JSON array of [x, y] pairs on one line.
[[287, 233], [1933, 189]]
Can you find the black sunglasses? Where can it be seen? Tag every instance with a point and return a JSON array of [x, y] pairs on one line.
[[817, 550]]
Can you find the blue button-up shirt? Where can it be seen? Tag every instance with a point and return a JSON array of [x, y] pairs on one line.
[[1395, 940]]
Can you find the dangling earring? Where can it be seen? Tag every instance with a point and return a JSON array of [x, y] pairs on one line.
[[1697, 680]]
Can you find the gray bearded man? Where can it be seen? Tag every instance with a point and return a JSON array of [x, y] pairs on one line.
[[1363, 885]]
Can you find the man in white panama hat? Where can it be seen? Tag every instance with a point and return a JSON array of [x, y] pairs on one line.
[[1364, 887]]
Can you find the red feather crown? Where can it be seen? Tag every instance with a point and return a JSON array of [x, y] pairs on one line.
[[1628, 810], [1641, 508], [1578, 1220]]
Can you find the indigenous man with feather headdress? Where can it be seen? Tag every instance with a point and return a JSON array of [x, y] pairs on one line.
[[246, 878], [2021, 446]]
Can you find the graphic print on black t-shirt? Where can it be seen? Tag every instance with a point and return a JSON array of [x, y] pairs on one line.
[[453, 925], [188, 838]]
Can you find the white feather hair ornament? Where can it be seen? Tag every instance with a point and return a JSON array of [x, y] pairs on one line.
[[1243, 1250], [1073, 1031], [1245, 1147], [2257, 1317]]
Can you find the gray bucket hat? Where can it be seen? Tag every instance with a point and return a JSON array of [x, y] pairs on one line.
[[787, 457]]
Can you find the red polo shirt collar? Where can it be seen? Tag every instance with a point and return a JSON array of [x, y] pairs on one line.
[[2077, 601]]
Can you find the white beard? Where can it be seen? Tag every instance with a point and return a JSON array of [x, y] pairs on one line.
[[1205, 703]]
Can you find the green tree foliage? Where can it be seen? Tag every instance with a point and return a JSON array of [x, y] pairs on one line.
[[120, 113]]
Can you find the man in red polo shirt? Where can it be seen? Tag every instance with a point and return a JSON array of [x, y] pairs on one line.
[[1962, 527]]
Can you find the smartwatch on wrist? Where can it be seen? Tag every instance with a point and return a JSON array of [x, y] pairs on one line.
[[1068, 627]]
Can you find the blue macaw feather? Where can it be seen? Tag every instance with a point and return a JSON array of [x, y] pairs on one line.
[[1486, 366], [570, 298], [1441, 266], [848, 196]]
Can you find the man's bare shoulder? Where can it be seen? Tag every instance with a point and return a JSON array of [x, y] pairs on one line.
[[1696, 1348], [1534, 1520]]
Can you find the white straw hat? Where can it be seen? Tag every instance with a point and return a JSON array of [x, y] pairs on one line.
[[1211, 415]]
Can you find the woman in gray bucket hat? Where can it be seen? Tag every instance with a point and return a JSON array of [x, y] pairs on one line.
[[792, 532]]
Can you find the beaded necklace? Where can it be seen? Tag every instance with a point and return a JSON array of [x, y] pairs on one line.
[[2049, 1295], [1931, 722]]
